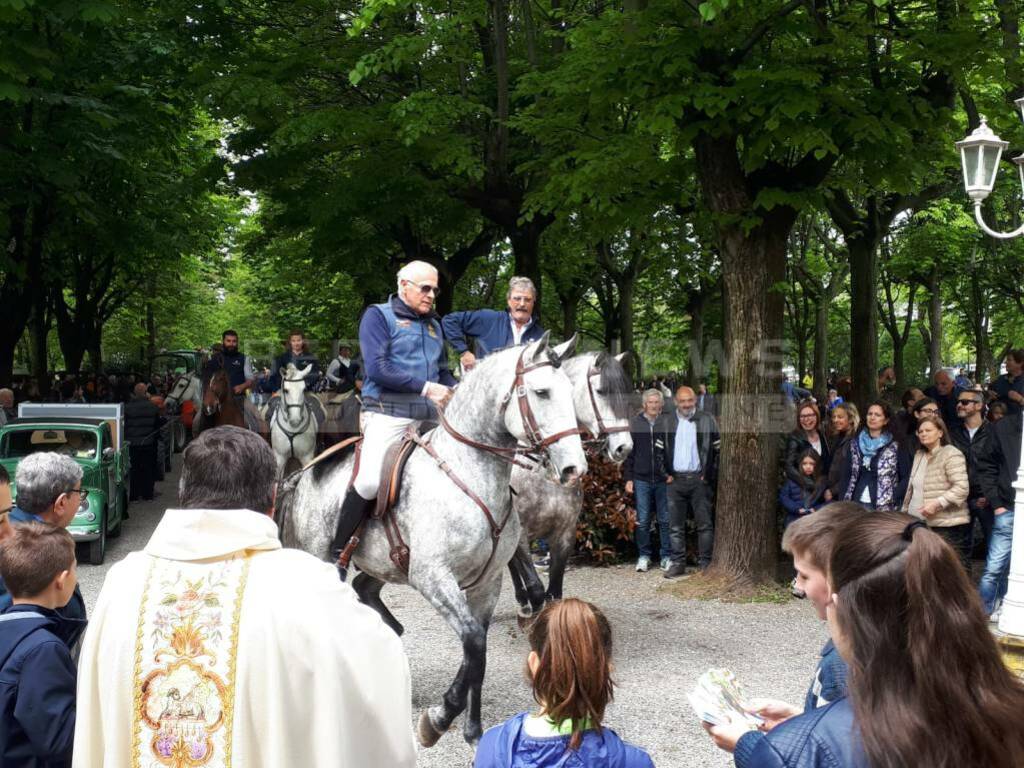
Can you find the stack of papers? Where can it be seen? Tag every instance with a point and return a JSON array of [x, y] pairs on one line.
[[718, 699]]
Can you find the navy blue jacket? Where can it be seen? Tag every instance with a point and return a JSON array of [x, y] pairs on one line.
[[795, 496], [829, 685], [649, 460], [74, 610], [492, 329], [37, 688], [399, 362], [508, 746], [823, 738]]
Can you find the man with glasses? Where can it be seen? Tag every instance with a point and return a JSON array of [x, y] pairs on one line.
[[406, 377], [49, 491], [493, 329], [970, 436]]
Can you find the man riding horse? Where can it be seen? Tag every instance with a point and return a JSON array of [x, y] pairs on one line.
[[239, 371], [297, 354], [406, 376], [495, 329]]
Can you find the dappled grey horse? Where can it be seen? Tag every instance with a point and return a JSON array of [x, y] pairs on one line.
[[456, 552], [548, 510]]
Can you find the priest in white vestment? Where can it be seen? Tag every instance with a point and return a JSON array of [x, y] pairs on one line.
[[216, 647]]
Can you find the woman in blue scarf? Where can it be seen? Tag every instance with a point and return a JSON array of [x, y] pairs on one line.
[[878, 470]]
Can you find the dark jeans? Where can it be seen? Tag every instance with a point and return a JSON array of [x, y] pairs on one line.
[[650, 495], [143, 472], [689, 495], [985, 515], [959, 537]]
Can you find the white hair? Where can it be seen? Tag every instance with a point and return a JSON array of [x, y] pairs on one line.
[[653, 393], [413, 268], [521, 283], [42, 477]]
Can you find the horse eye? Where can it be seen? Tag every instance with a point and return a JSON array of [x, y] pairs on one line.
[[599, 391], [541, 392]]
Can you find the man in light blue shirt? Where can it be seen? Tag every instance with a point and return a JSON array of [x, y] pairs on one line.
[[694, 445]]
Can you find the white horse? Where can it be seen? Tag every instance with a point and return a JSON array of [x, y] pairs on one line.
[[548, 510], [459, 539], [187, 386], [294, 426]]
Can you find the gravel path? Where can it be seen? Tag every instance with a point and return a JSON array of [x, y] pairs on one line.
[[663, 645]]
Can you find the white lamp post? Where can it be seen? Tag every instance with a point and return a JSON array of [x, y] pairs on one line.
[[979, 154]]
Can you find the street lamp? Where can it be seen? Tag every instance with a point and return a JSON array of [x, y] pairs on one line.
[[979, 154]]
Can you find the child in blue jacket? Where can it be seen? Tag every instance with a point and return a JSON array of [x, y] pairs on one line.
[[802, 498], [570, 668], [37, 675]]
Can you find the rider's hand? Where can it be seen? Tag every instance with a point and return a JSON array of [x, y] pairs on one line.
[[629, 486], [468, 360], [772, 711], [438, 394], [239, 389]]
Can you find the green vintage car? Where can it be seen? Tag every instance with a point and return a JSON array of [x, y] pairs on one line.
[[94, 444]]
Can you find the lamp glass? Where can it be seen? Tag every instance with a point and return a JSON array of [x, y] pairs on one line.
[[990, 165]]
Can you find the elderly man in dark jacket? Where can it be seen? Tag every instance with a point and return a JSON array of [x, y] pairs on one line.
[[647, 473], [141, 427]]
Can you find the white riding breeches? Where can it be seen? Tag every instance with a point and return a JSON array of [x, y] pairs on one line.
[[379, 433]]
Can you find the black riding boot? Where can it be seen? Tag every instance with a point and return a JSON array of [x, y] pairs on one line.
[[354, 509]]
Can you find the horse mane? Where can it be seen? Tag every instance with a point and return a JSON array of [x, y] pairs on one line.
[[615, 384]]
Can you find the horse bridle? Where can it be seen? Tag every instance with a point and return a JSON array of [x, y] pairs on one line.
[[603, 430], [538, 443], [285, 428]]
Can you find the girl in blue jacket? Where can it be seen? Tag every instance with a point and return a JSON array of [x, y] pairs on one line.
[[802, 497], [570, 668]]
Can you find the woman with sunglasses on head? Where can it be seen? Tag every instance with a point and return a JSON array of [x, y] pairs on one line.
[[927, 687]]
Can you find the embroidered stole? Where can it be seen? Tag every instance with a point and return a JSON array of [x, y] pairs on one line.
[[185, 651]]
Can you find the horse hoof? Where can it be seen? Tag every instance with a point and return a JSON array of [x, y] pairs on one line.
[[426, 731], [472, 735]]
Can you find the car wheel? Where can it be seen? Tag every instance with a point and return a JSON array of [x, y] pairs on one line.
[[98, 548]]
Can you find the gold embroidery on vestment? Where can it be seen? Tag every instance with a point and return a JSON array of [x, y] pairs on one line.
[[184, 685]]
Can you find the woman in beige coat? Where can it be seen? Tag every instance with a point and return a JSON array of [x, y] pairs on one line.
[[939, 486]]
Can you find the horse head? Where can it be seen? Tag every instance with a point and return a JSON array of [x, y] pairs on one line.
[[543, 414], [216, 391], [601, 392], [293, 387]]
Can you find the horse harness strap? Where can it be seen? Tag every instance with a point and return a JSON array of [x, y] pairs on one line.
[[530, 426], [292, 435], [602, 428], [496, 527]]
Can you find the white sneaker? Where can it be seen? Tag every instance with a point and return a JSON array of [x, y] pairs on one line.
[[665, 563], [643, 564]]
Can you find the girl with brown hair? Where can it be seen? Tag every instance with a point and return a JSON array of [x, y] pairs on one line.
[[570, 669], [927, 686]]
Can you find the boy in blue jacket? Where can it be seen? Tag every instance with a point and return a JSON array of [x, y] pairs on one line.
[[809, 540], [37, 675]]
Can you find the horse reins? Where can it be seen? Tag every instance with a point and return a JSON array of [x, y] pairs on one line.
[[602, 428], [282, 425], [530, 426]]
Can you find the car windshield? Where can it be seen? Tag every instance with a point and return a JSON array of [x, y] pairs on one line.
[[75, 443]]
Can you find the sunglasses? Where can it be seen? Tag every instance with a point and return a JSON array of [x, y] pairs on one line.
[[426, 288], [968, 402]]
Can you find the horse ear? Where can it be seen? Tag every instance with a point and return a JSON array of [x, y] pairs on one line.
[[567, 348], [304, 372], [621, 357], [539, 347]]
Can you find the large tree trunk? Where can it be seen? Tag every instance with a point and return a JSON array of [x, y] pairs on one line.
[[863, 321], [695, 360], [820, 370], [525, 239], [39, 330], [898, 365], [753, 264]]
